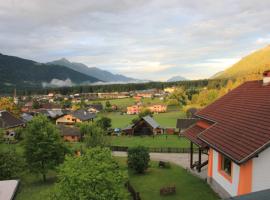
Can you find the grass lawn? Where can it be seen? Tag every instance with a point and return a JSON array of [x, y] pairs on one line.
[[118, 121], [33, 188], [172, 141], [188, 187], [123, 103], [167, 119]]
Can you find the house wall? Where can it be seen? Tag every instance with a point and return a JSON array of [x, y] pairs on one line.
[[260, 172], [231, 187], [133, 110], [67, 119], [158, 108], [71, 138]]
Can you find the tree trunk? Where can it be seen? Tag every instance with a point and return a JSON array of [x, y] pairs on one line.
[[44, 177]]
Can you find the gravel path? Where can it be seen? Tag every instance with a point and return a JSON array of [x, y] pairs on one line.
[[180, 159]]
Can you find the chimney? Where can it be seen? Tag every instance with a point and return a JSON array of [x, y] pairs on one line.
[[266, 77]]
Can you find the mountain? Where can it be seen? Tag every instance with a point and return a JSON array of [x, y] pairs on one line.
[[93, 71], [252, 65], [176, 78], [23, 73]]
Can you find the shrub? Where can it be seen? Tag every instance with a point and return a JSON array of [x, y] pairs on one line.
[[11, 164], [138, 159]]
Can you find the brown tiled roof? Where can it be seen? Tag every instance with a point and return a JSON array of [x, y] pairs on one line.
[[242, 128], [7, 120], [192, 134]]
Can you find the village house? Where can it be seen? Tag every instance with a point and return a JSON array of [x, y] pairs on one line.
[[157, 108], [70, 134], [144, 126], [169, 89], [9, 123], [133, 110], [235, 132], [136, 109], [27, 107], [74, 117], [95, 108]]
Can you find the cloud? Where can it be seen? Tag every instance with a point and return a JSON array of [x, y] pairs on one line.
[[263, 40], [153, 39], [58, 83]]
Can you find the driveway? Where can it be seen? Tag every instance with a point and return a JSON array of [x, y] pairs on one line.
[[180, 159]]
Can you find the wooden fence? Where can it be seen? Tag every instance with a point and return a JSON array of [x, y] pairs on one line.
[[135, 195], [157, 149]]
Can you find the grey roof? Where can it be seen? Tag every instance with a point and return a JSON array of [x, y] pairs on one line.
[[83, 115], [151, 121], [7, 120], [128, 127], [26, 117], [260, 195], [8, 189], [69, 131], [52, 113]]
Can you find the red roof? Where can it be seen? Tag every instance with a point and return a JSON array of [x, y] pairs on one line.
[[192, 134], [242, 117]]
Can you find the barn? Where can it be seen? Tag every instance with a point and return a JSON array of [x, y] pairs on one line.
[[145, 126]]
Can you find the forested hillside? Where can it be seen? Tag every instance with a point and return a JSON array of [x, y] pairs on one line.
[[249, 67], [21, 73]]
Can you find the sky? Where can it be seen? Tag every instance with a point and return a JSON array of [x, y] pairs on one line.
[[144, 39]]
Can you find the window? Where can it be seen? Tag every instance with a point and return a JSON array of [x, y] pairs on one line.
[[226, 165]]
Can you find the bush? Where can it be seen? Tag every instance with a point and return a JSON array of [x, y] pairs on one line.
[[138, 159], [11, 164], [95, 175], [104, 123]]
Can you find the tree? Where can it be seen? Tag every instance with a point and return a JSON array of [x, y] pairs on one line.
[[179, 94], [94, 136], [138, 159], [104, 123], [1, 135], [144, 112], [108, 104], [44, 149], [95, 175], [36, 104], [8, 105], [11, 164]]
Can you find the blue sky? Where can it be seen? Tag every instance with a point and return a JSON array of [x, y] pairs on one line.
[[143, 39]]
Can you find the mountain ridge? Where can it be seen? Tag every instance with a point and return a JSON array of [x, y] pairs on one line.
[[100, 74], [177, 78], [19, 72]]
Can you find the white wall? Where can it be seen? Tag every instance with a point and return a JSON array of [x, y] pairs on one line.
[[261, 171], [230, 187]]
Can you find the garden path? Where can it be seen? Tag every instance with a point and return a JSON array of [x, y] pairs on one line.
[[180, 159]]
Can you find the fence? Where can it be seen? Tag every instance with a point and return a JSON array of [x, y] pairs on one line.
[[135, 195], [158, 150]]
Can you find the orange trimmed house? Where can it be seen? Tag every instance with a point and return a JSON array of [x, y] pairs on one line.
[[136, 109], [235, 133], [74, 117], [70, 134], [157, 108], [133, 110]]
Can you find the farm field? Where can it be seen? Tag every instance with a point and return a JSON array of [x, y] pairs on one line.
[[161, 141], [188, 187]]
